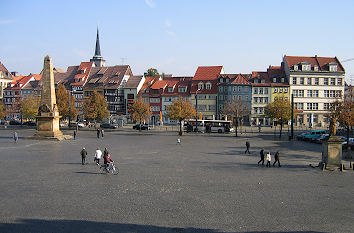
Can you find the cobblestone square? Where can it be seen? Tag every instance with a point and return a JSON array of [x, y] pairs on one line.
[[205, 184]]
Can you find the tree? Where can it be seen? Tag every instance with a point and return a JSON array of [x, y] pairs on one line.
[[95, 107], [342, 111], [279, 110], [2, 111], [180, 110], [140, 111], [29, 107], [152, 72], [62, 96], [237, 109]]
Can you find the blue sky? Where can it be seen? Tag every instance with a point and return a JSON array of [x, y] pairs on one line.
[[174, 36]]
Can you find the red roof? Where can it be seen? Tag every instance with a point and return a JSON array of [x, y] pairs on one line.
[[159, 84], [321, 62], [241, 80], [176, 85], [207, 72]]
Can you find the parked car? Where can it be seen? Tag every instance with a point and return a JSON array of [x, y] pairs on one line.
[[313, 134], [320, 139], [30, 123], [108, 126], [15, 122], [143, 127], [301, 136], [78, 124], [351, 143]]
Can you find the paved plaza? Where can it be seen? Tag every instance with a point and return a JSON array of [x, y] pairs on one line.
[[206, 184]]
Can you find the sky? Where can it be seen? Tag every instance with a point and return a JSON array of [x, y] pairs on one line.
[[175, 36]]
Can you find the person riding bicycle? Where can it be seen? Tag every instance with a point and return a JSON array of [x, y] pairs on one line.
[[107, 161]]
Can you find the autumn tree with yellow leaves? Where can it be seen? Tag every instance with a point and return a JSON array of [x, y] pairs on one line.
[[29, 107], [180, 110], [95, 107]]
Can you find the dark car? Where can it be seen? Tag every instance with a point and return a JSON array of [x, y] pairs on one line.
[[108, 126], [15, 122], [30, 123], [143, 127]]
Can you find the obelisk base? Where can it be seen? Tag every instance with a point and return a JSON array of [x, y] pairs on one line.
[[48, 129], [332, 152]]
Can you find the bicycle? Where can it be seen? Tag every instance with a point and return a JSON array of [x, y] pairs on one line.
[[112, 169]]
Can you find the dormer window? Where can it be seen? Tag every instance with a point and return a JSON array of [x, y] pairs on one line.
[[170, 89], [208, 86], [262, 81], [274, 80], [296, 67], [306, 67], [315, 68], [333, 67], [227, 80], [221, 80], [200, 86]]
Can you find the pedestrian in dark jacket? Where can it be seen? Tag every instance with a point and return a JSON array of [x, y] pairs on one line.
[[102, 132], [276, 158], [75, 134], [105, 152], [15, 136], [98, 133], [262, 156], [247, 147], [83, 156]]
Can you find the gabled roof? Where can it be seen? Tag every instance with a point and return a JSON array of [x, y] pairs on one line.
[[133, 82], [109, 77], [147, 84], [320, 62], [207, 72], [159, 84], [21, 81], [236, 79], [5, 71], [176, 84], [241, 80]]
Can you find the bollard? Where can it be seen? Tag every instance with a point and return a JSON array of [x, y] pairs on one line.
[[341, 167]]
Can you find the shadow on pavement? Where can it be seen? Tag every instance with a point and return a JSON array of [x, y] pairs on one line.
[[91, 173], [64, 226]]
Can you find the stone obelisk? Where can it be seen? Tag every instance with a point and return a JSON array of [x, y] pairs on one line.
[[48, 115]]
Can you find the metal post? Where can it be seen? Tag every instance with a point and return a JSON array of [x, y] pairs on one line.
[[69, 109], [292, 116], [196, 104]]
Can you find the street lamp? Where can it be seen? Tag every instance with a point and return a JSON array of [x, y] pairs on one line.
[[196, 106]]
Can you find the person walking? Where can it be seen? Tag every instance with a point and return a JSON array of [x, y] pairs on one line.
[[259, 127], [276, 159], [102, 132], [83, 155], [269, 158], [15, 136], [98, 155], [248, 147], [74, 134], [105, 152], [98, 133], [262, 156]]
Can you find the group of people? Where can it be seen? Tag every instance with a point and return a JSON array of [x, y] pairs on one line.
[[262, 154], [269, 158], [100, 132], [97, 157]]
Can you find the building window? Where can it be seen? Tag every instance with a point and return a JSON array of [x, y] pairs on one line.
[[333, 81], [208, 86], [200, 86], [265, 100], [309, 81], [315, 93], [255, 91], [181, 89], [299, 106], [326, 93], [260, 90], [296, 67], [317, 81], [255, 110], [170, 89], [315, 68], [265, 90], [221, 88], [274, 80], [221, 80], [339, 81], [286, 90], [302, 81], [221, 97], [309, 93], [275, 90], [301, 93], [325, 81], [255, 99], [314, 106], [326, 106], [333, 68], [246, 97], [294, 80], [227, 80], [309, 106]]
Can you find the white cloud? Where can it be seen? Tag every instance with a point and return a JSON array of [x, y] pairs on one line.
[[150, 3], [168, 23], [6, 21]]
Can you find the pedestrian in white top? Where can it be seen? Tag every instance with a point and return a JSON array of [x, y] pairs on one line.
[[98, 156], [269, 158]]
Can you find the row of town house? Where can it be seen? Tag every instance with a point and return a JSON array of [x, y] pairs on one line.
[[315, 82]]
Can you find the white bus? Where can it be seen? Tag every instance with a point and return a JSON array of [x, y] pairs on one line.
[[208, 126]]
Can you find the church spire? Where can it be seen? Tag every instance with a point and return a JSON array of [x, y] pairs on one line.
[[98, 49], [97, 59]]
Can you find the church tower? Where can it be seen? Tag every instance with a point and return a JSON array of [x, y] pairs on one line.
[[97, 59]]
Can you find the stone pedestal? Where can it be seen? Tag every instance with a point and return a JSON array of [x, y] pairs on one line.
[[48, 126], [332, 152]]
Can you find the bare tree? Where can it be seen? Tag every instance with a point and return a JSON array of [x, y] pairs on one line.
[[237, 109]]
